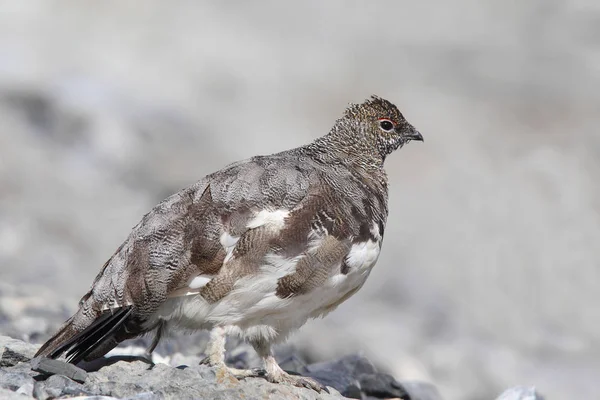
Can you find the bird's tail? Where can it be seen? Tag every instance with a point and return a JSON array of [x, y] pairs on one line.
[[86, 338]]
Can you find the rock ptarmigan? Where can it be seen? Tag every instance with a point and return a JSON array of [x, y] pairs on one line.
[[255, 249]]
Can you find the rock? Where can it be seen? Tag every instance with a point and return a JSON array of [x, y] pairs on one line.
[[124, 379], [381, 385], [26, 389], [6, 394], [52, 367], [58, 386], [14, 351], [10, 358], [15, 381], [355, 376]]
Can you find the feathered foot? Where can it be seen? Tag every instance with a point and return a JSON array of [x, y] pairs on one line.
[[216, 357], [274, 373]]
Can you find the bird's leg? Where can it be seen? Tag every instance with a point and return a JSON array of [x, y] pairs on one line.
[[216, 355], [275, 374], [157, 336]]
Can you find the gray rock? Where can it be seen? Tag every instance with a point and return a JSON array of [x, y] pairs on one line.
[[381, 385], [130, 379], [26, 389], [13, 380], [58, 386], [53, 367], [94, 397], [6, 394], [355, 376], [141, 396], [13, 351], [10, 358]]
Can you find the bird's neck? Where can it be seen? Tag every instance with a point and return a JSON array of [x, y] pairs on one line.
[[341, 145], [357, 154]]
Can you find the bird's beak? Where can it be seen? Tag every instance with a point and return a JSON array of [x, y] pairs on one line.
[[414, 134]]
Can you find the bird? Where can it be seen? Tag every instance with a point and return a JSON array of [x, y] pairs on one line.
[[255, 249]]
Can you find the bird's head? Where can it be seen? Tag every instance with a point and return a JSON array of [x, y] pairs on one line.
[[378, 125]]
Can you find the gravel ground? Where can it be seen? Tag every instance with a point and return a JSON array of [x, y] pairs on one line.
[[177, 378]]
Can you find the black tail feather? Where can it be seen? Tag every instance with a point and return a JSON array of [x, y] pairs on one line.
[[78, 345], [96, 334], [75, 337]]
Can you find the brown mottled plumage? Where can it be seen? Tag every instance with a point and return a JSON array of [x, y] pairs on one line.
[[256, 248]]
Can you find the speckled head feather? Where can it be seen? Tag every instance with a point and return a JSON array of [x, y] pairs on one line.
[[368, 132], [374, 108]]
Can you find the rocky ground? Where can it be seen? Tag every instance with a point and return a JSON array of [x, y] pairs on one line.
[[130, 377], [134, 378]]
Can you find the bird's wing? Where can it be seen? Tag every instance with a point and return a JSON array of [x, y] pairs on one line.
[[191, 234]]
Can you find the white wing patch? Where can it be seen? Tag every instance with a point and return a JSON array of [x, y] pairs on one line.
[[274, 219], [193, 287], [363, 255], [200, 281], [228, 242]]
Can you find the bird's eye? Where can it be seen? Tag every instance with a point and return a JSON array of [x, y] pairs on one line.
[[386, 125]]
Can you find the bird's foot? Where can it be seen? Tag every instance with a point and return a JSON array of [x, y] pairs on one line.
[[296, 380], [147, 358], [224, 370], [246, 373]]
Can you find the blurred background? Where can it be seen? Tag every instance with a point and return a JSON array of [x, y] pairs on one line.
[[490, 270]]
